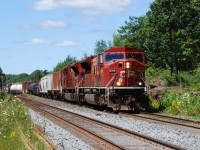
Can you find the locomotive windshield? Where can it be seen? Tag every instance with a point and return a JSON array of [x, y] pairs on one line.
[[114, 56], [138, 57]]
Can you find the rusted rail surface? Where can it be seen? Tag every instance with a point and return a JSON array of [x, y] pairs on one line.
[[128, 135], [28, 144]]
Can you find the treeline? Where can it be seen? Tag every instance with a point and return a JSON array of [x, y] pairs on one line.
[[35, 76]]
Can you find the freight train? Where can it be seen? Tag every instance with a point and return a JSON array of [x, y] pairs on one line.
[[22, 87], [114, 79]]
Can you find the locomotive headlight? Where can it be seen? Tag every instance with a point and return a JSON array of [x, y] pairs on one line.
[[127, 65], [140, 83], [118, 83]]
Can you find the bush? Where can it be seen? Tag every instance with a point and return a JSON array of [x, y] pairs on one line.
[[182, 97], [154, 104], [181, 103]]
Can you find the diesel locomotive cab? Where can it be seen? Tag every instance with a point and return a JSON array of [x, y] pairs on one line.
[[126, 73]]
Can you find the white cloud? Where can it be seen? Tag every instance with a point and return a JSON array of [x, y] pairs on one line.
[[90, 19], [58, 43], [36, 41], [91, 7], [66, 43], [52, 24], [26, 26], [46, 24]]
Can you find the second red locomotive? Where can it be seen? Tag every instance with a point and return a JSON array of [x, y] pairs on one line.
[[114, 78]]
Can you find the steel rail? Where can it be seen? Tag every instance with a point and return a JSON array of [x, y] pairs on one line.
[[168, 119], [146, 138], [105, 143], [48, 143]]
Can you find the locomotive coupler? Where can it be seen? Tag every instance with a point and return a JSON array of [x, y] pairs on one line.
[[130, 103]]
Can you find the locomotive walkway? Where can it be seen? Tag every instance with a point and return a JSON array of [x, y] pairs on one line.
[[105, 136]]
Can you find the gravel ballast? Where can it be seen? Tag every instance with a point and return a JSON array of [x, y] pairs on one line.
[[169, 134], [61, 138]]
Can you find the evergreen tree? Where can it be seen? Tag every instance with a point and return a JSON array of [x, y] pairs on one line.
[[100, 46]]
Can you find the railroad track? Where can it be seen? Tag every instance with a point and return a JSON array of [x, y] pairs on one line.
[[109, 136], [191, 124], [31, 146], [48, 143]]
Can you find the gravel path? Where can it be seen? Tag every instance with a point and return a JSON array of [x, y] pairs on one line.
[[174, 135]]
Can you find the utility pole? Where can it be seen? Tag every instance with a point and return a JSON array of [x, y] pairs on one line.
[[2, 76]]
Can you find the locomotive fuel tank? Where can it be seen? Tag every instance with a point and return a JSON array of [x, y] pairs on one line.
[[92, 99]]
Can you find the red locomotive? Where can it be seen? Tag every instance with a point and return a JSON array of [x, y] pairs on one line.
[[114, 78]]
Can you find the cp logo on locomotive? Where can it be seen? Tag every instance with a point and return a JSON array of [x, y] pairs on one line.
[[127, 73]]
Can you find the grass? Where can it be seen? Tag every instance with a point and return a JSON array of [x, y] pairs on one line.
[[13, 115], [181, 95]]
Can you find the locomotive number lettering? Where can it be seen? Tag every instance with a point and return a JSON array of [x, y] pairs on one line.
[[129, 73]]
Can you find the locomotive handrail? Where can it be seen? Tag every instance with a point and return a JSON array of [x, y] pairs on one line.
[[78, 84], [111, 80]]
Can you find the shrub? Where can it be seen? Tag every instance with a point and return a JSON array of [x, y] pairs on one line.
[[181, 103], [154, 104]]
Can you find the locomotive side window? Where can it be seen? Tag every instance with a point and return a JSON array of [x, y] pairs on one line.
[[120, 65], [137, 57], [114, 56]]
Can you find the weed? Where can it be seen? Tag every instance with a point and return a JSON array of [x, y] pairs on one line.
[[13, 115]]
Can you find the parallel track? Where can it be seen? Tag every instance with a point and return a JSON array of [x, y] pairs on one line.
[[48, 143], [112, 137], [191, 124]]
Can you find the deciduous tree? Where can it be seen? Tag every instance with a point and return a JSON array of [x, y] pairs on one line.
[[68, 61]]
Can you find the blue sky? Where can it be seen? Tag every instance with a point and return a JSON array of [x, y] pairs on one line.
[[37, 34]]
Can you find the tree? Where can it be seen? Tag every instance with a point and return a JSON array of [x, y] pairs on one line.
[[68, 61], [135, 33], [100, 46], [109, 44], [85, 55], [2, 78], [168, 33], [36, 75], [175, 24], [23, 77], [132, 34]]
